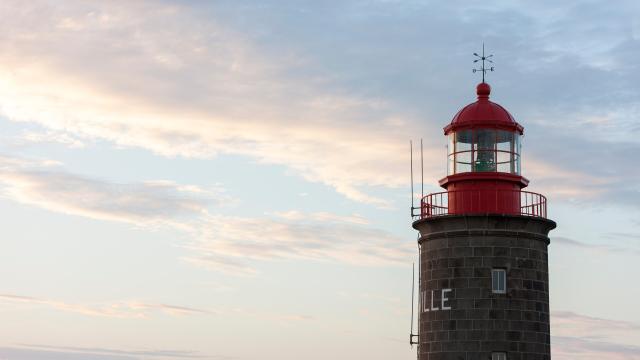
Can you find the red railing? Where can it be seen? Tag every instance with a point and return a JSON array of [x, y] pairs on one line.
[[514, 202]]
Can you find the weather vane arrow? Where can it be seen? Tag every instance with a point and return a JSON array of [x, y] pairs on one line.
[[483, 69]]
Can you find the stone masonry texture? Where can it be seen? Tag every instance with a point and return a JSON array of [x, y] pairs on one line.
[[458, 253]]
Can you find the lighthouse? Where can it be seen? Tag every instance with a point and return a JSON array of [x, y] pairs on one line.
[[483, 265]]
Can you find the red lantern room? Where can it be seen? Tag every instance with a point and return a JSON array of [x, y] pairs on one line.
[[484, 172]]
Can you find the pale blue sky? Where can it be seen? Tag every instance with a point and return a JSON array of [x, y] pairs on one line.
[[229, 179]]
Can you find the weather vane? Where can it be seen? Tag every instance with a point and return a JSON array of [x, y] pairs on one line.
[[484, 58]]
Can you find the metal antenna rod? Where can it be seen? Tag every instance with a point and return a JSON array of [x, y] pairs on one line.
[[412, 336], [421, 173], [413, 285], [483, 71], [419, 297], [411, 157]]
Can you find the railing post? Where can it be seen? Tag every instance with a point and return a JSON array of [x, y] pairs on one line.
[[444, 210]]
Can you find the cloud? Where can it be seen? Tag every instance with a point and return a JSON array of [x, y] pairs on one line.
[[571, 242], [623, 235], [594, 246], [123, 309], [273, 316], [48, 352], [136, 353], [234, 243], [569, 323], [323, 216], [569, 348], [335, 110], [585, 172], [16, 353], [181, 84], [205, 92], [227, 243], [135, 309], [587, 337], [150, 202], [52, 137]]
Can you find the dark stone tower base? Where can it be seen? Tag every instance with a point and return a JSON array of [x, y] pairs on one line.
[[462, 316]]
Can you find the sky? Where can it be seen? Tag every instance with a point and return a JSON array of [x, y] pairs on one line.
[[230, 179]]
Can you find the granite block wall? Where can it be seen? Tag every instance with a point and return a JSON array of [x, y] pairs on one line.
[[460, 317]]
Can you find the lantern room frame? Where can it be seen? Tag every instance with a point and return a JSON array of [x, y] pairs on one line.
[[501, 156]]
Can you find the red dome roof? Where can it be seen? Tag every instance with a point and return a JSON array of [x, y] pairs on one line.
[[483, 114]]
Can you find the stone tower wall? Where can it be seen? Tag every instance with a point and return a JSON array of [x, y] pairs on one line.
[[457, 254]]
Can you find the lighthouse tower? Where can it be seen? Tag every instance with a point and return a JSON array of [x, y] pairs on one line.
[[483, 274]]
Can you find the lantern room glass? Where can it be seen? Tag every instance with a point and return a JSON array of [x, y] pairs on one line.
[[484, 150]]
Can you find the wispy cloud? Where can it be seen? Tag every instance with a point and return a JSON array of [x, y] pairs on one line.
[[587, 337], [623, 235], [121, 352], [232, 243], [25, 353], [295, 215], [190, 101], [228, 243], [147, 203], [70, 70], [123, 309], [597, 247], [570, 348], [49, 352], [51, 137], [281, 318]]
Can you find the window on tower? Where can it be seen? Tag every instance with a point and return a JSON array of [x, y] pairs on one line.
[[498, 356], [499, 281]]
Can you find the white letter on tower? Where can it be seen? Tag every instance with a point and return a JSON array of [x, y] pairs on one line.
[[433, 308], [445, 298]]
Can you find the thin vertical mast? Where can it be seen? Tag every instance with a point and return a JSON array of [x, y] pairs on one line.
[[411, 157], [421, 173], [419, 292], [413, 285], [483, 70]]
